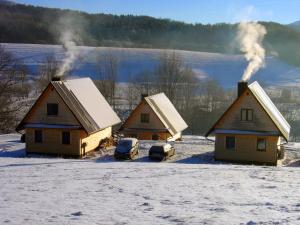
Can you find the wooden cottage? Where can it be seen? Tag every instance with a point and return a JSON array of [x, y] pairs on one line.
[[251, 129], [71, 118], [155, 118]]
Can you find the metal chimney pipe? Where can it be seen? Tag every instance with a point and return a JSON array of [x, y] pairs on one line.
[[242, 87], [56, 79], [143, 96]]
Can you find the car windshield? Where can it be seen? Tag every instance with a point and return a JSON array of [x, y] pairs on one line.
[[125, 143], [157, 149]]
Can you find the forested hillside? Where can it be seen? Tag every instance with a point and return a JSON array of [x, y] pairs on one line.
[[29, 24], [295, 25]]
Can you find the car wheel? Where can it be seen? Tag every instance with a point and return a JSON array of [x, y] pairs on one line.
[[132, 155]]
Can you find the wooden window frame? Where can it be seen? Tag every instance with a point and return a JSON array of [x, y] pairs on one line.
[[261, 150], [35, 137], [62, 138], [144, 116], [51, 104], [155, 137], [247, 110], [133, 135], [234, 148]]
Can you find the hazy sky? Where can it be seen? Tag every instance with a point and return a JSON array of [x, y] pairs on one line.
[[191, 11]]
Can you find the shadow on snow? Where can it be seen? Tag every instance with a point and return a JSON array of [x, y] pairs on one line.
[[294, 164], [6, 150], [203, 158]]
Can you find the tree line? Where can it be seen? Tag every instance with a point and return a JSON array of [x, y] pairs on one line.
[[29, 24]]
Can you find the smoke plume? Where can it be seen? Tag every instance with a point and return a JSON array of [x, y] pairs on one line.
[[250, 36], [69, 29], [71, 54]]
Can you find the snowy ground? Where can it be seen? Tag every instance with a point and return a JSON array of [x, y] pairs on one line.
[[189, 189]]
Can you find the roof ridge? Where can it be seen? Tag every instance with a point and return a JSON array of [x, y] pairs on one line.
[[164, 118], [167, 113], [271, 113], [160, 93]]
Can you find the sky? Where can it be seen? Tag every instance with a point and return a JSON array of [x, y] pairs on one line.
[[189, 11]]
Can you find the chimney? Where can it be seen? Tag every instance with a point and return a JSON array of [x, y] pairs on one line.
[[143, 96], [56, 79], [242, 86]]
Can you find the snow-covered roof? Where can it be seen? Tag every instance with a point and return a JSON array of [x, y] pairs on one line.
[[87, 103], [270, 108], [166, 112]]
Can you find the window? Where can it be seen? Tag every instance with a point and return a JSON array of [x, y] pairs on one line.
[[145, 118], [230, 143], [246, 114], [52, 109], [38, 136], [65, 137], [133, 135], [261, 144], [155, 137]]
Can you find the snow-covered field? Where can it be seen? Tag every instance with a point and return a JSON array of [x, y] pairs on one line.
[[134, 61], [189, 189]]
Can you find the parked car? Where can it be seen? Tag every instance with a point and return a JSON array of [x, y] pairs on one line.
[[127, 148], [161, 152]]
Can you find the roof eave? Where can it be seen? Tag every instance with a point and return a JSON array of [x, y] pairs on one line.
[[20, 126], [281, 130]]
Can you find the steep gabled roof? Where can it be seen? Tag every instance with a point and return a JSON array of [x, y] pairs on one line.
[[166, 112], [86, 103], [270, 108], [266, 103]]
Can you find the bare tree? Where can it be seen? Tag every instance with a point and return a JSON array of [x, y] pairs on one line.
[[13, 90], [177, 80], [133, 92], [145, 83], [187, 90], [169, 74], [47, 71], [107, 69], [212, 95]]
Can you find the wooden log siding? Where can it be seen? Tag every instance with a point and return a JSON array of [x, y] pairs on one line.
[[148, 135], [134, 120], [232, 119], [39, 112], [246, 149], [52, 142], [92, 141]]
